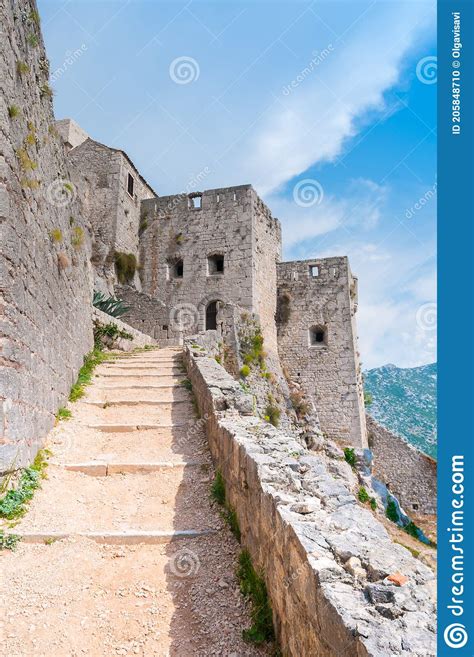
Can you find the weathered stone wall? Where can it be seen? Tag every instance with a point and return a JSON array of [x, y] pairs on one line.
[[325, 559], [409, 474], [267, 252], [45, 261], [138, 339], [328, 371], [113, 212], [72, 134], [231, 222], [148, 315]]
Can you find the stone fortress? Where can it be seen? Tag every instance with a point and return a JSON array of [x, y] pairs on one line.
[[205, 257], [203, 269]]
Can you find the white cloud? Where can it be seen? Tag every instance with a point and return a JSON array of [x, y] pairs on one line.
[[312, 124]]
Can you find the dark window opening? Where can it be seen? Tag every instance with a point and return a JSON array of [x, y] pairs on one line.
[[318, 336], [211, 316], [195, 201], [165, 327], [215, 264], [178, 269], [130, 183], [415, 507], [314, 271]]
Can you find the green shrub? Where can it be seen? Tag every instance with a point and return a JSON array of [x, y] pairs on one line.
[[368, 398], [110, 305], [253, 586], [125, 266], [272, 414], [14, 111], [392, 510], [244, 371], [109, 331], [373, 503], [349, 456], [186, 383], [33, 40], [363, 495]]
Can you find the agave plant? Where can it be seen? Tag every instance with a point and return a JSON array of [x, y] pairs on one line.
[[110, 305]]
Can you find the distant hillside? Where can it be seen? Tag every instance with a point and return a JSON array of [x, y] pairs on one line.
[[404, 401]]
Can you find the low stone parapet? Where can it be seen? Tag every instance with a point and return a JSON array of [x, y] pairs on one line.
[[338, 585], [138, 339]]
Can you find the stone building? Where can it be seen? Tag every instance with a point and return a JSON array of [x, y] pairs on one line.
[[112, 190], [317, 340], [205, 259]]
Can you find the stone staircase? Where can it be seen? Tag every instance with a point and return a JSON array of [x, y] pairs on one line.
[[122, 551], [125, 484]]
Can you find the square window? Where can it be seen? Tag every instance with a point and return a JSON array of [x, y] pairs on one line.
[[318, 336], [195, 201], [314, 271], [215, 264]]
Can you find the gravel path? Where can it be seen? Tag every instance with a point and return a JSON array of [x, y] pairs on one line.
[[135, 594]]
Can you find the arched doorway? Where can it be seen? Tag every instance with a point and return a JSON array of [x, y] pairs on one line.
[[211, 316]]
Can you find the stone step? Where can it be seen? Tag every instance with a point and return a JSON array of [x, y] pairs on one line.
[[130, 537], [104, 403], [156, 414], [104, 469], [125, 428], [71, 444], [136, 378], [76, 503]]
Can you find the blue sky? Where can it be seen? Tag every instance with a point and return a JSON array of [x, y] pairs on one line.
[[327, 108]]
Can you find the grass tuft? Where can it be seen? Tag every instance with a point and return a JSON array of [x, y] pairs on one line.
[[14, 111], [349, 456], [218, 489], [253, 586], [13, 505], [63, 414], [8, 541], [94, 358]]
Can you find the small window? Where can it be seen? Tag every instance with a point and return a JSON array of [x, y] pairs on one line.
[[318, 336], [332, 272], [218, 198], [415, 507], [195, 201], [178, 269], [314, 271], [215, 264], [130, 183]]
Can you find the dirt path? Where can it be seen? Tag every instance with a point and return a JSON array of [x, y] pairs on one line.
[[123, 553]]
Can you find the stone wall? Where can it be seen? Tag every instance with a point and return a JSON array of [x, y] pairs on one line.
[[327, 370], [114, 213], [409, 474], [46, 277], [138, 339], [148, 315], [325, 559]]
